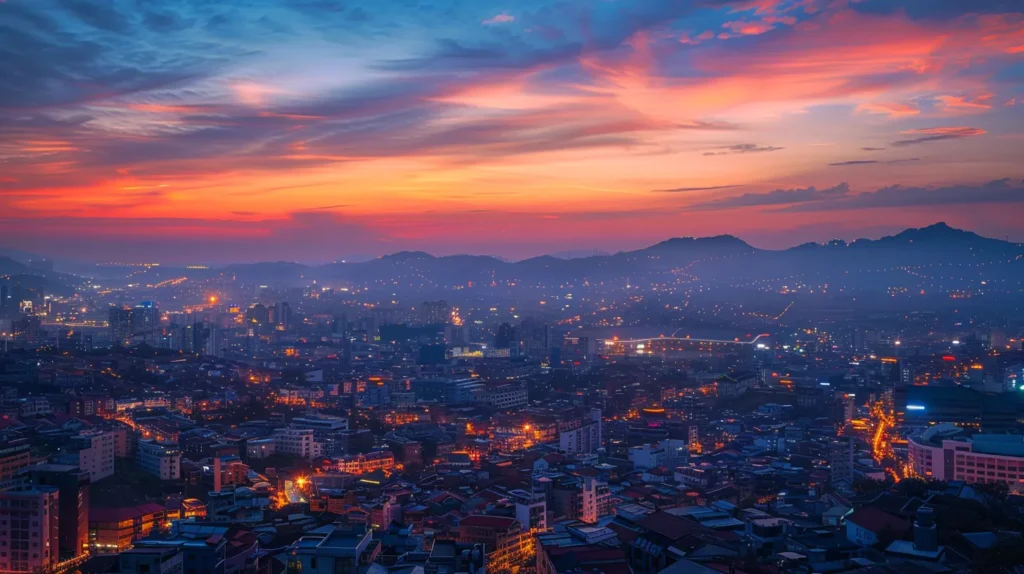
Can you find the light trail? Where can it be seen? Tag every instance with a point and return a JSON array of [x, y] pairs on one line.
[[610, 342]]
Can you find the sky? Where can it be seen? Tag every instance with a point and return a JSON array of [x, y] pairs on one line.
[[308, 130]]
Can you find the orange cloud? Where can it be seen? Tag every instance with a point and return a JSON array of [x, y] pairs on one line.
[[893, 110], [961, 104]]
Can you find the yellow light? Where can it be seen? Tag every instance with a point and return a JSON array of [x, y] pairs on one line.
[[213, 298]]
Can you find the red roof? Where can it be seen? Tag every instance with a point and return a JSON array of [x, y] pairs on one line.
[[127, 513], [876, 520], [488, 496], [485, 521], [669, 526]]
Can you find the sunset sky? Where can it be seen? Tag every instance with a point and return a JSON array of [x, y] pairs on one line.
[[308, 130]]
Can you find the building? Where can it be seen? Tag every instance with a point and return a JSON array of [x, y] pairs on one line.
[[840, 459], [943, 452], [72, 486], [321, 422], [113, 530], [151, 561], [507, 548], [15, 455], [866, 526], [120, 321], [259, 449], [581, 435], [989, 413], [334, 550], [590, 508], [733, 387], [504, 396], [128, 324], [363, 463], [531, 510], [296, 442], [29, 529], [95, 450], [435, 312], [668, 453], [204, 549], [162, 460]]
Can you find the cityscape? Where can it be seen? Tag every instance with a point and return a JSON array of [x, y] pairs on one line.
[[535, 287], [680, 408]]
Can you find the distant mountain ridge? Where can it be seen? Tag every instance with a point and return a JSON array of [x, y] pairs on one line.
[[723, 258], [914, 259]]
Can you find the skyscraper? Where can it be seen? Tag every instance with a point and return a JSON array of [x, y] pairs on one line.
[[840, 461], [505, 336], [72, 485], [145, 320], [30, 531], [120, 322], [434, 312], [284, 315]]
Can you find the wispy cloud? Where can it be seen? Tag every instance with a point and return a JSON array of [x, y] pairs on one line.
[[743, 148], [774, 198], [502, 18], [873, 161], [688, 189], [854, 162], [938, 134], [963, 104], [891, 109]]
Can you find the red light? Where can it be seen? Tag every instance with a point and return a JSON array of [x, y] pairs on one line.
[[948, 358]]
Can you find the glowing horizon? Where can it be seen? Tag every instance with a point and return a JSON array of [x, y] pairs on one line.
[[311, 130]]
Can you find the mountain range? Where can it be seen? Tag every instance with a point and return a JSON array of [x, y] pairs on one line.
[[723, 259], [935, 255]]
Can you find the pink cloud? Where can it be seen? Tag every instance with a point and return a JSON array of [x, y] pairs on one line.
[[747, 28], [893, 110], [502, 18], [962, 104]]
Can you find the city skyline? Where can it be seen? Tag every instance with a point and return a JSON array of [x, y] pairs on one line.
[[308, 131]]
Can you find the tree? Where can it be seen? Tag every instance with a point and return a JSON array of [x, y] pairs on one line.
[[866, 486]]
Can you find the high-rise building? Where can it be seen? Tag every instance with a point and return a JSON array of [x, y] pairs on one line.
[[159, 459], [30, 529], [581, 435], [435, 312], [841, 461], [120, 322], [296, 441], [94, 453], [214, 346], [15, 455], [5, 296], [504, 542], [140, 323], [145, 321], [284, 315], [589, 513], [258, 315], [505, 336], [535, 339], [946, 452], [72, 485]]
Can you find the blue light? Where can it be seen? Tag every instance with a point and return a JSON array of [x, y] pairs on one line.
[[915, 407]]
